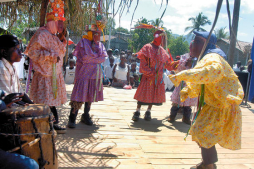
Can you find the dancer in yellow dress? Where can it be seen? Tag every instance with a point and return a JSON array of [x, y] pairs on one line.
[[220, 119]]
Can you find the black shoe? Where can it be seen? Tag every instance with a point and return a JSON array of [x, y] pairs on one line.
[[135, 116], [59, 130], [72, 119], [203, 166], [147, 116], [186, 120], [71, 124], [85, 118], [171, 119]]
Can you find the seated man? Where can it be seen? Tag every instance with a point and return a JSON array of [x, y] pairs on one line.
[[121, 73], [13, 160]]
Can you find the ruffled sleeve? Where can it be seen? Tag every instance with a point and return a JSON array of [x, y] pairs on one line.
[[144, 63], [85, 53], [38, 51], [210, 73]]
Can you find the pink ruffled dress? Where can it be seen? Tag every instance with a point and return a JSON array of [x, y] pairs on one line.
[[43, 49]]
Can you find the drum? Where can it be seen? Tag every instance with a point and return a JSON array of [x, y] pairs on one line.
[[29, 131]]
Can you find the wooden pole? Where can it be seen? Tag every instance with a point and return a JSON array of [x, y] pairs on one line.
[[44, 5], [233, 34]]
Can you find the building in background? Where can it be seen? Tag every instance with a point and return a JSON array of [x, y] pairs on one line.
[[116, 42], [242, 53]]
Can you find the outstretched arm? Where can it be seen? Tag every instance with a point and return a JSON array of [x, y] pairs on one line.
[[211, 73], [171, 65]]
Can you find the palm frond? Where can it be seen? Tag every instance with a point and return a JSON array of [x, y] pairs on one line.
[[188, 28]]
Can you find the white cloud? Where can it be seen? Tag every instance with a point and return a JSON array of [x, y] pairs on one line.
[[247, 6], [242, 34], [124, 23], [177, 24], [187, 7], [158, 2]]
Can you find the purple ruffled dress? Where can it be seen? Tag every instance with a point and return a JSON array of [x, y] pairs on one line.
[[88, 75]]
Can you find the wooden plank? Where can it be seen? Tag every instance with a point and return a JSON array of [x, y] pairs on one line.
[[115, 141]]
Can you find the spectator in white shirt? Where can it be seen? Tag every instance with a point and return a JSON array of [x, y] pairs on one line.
[[70, 72], [117, 56], [121, 75], [109, 69], [107, 62], [236, 68]]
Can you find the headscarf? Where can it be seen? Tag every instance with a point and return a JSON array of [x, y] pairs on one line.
[[211, 46], [8, 41]]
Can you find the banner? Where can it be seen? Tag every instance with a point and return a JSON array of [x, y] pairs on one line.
[[251, 93]]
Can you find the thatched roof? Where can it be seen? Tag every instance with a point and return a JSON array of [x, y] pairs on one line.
[[240, 45], [78, 13]]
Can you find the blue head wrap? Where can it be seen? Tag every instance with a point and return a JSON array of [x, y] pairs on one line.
[[211, 48]]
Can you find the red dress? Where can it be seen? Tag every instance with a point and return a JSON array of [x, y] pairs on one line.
[[153, 60]]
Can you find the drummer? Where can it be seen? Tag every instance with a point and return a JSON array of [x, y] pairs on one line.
[[12, 160], [9, 53]]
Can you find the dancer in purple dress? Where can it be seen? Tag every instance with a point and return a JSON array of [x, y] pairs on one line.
[[88, 88]]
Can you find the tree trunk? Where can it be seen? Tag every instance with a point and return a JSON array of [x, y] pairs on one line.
[[233, 34], [44, 5]]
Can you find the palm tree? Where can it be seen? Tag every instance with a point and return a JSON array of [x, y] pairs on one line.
[[157, 22], [197, 23], [221, 33]]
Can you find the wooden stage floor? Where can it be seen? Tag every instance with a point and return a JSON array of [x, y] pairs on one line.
[[115, 141]]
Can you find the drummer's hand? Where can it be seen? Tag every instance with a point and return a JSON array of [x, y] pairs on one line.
[[14, 99]]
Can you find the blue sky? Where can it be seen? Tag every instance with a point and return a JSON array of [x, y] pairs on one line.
[[178, 12]]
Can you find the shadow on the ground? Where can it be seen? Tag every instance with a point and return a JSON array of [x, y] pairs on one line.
[[252, 110], [152, 126], [155, 124], [83, 146]]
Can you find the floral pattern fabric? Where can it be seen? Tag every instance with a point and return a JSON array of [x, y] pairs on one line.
[[152, 61], [220, 120], [175, 97], [88, 75], [43, 49]]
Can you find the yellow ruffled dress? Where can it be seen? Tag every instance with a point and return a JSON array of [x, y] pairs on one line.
[[220, 120]]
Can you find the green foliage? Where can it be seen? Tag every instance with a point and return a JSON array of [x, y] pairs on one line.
[[178, 46], [20, 25], [4, 32], [135, 37], [140, 37], [120, 29], [157, 22], [221, 33], [197, 23]]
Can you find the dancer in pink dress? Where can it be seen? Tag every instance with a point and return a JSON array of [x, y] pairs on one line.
[[185, 63], [46, 52], [153, 59]]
